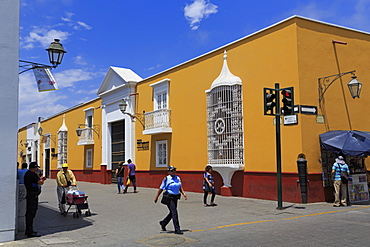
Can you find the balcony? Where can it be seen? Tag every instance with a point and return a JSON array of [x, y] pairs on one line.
[[86, 137], [158, 122]]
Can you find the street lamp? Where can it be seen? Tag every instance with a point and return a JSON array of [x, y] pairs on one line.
[[139, 116], [354, 85], [56, 53]]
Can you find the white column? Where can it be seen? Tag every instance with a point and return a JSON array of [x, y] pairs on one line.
[[9, 57]]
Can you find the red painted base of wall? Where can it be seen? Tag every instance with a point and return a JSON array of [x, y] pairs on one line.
[[244, 184], [226, 191]]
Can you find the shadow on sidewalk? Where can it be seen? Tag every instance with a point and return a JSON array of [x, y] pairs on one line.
[[49, 221]]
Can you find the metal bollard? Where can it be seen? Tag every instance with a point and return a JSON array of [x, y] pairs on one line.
[[302, 175]]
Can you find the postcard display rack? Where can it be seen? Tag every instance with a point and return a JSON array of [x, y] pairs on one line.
[[357, 188]]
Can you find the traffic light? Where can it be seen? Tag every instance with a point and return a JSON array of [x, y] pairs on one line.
[[288, 101], [269, 101]]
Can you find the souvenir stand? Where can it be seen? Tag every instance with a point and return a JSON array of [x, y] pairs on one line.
[[354, 146]]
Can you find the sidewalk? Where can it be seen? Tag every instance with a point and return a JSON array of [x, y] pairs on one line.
[[132, 219]]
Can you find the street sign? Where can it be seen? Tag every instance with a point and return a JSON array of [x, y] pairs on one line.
[[308, 109]]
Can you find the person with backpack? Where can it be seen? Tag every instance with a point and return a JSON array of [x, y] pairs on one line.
[[340, 173]]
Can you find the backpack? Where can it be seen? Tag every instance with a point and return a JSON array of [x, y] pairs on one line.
[[343, 175]]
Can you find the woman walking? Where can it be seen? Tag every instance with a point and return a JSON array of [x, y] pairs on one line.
[[172, 185], [119, 175], [209, 186]]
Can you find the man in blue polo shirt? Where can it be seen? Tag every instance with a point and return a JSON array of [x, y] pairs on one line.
[[339, 185]]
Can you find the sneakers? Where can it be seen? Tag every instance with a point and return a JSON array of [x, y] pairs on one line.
[[178, 232], [163, 226]]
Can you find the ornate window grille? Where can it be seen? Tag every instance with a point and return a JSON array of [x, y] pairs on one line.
[[225, 125], [62, 147]]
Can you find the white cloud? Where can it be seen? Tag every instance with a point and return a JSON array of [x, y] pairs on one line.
[[83, 24], [197, 11], [34, 104], [79, 60], [67, 78], [44, 37], [312, 10], [76, 25]]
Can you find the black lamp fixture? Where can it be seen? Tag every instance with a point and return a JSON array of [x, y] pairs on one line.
[[139, 116], [95, 128], [40, 130], [354, 85], [123, 106], [56, 53], [79, 131]]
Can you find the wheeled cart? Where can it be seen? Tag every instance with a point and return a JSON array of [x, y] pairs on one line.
[[77, 198]]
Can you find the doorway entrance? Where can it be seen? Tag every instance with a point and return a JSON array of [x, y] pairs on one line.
[[118, 145]]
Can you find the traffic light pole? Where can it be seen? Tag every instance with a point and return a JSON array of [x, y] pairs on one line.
[[278, 150]]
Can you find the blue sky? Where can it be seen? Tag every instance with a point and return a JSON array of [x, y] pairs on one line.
[[146, 36]]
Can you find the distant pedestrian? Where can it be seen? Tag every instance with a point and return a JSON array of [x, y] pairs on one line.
[[120, 171], [171, 184], [339, 185], [65, 178], [32, 180], [131, 175], [20, 175], [209, 186]]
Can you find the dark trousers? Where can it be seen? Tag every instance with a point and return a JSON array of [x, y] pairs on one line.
[[206, 195], [133, 181], [172, 207], [32, 205]]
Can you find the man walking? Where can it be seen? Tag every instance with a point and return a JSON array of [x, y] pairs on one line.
[[32, 181], [339, 185], [65, 178], [131, 175]]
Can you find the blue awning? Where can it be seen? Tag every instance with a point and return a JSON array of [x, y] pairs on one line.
[[346, 142]]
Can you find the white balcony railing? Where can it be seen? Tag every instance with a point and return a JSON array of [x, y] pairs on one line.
[[157, 122], [87, 137]]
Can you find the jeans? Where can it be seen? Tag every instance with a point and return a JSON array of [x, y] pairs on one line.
[[120, 184]]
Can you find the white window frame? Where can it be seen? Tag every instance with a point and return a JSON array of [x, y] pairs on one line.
[[89, 112], [157, 154], [89, 158], [161, 89]]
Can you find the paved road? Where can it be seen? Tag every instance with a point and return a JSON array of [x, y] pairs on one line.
[[132, 220]]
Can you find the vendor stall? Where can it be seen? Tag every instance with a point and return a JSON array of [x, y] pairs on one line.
[[354, 146]]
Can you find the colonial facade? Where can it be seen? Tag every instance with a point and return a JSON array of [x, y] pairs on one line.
[[209, 110]]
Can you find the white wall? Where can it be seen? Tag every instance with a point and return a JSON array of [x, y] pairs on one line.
[[9, 57]]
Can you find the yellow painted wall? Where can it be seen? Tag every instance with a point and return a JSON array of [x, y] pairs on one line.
[[293, 53], [22, 138], [76, 153]]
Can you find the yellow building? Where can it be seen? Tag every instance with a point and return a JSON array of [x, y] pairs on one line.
[[210, 110], [54, 141], [181, 126]]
